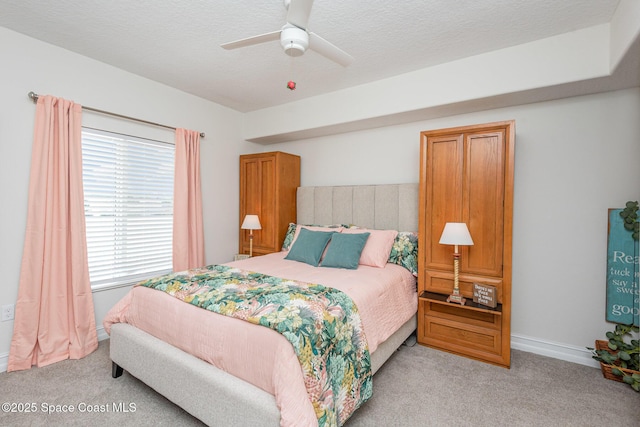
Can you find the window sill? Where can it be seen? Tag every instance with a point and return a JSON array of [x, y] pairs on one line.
[[126, 282]]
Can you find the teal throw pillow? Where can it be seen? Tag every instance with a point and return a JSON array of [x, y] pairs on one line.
[[309, 246], [344, 250]]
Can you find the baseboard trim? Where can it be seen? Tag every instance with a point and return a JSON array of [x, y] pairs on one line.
[[102, 334], [569, 353], [555, 350]]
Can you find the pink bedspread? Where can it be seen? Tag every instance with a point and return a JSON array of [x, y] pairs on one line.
[[386, 299]]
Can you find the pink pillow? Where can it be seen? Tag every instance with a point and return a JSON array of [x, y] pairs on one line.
[[378, 247], [313, 228]]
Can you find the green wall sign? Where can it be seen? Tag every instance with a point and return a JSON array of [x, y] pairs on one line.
[[623, 273]]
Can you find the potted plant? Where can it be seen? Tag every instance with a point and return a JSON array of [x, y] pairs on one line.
[[630, 217], [619, 357]]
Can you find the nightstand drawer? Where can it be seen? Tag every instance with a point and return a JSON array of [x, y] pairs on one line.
[[461, 337], [470, 330]]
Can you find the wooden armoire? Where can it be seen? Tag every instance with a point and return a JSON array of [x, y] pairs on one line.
[[466, 175], [268, 185]]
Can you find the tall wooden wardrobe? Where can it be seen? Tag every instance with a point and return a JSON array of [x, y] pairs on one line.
[[466, 175], [268, 185]]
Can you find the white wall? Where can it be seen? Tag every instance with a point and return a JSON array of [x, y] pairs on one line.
[[575, 158], [30, 65]]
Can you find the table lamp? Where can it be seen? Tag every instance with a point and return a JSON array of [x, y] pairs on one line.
[[457, 234], [251, 222]]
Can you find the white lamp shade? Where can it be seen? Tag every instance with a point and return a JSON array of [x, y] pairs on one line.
[[251, 222], [456, 233]]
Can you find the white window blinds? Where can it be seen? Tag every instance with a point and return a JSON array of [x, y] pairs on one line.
[[128, 202]]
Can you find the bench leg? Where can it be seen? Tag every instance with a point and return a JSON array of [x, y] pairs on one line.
[[116, 371]]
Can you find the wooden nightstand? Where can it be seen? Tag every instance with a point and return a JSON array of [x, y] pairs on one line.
[[470, 329]]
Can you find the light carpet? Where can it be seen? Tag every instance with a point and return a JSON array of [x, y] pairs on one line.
[[418, 386]]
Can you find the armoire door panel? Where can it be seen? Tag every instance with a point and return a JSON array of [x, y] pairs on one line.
[[250, 184], [267, 204], [483, 202], [445, 174]]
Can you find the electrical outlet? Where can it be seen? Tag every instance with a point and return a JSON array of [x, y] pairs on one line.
[[8, 312]]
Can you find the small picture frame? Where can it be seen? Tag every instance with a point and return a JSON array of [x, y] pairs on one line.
[[485, 295]]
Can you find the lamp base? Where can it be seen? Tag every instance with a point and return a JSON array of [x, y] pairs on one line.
[[455, 297]]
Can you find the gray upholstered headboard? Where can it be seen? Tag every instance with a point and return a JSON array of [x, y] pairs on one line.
[[388, 206]]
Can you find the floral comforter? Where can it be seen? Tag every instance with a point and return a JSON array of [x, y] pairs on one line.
[[321, 323]]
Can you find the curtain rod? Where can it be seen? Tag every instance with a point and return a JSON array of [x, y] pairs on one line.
[[34, 98]]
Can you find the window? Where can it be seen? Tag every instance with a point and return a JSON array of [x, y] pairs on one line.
[[128, 204]]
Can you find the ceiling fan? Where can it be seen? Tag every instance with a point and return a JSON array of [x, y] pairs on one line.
[[294, 36]]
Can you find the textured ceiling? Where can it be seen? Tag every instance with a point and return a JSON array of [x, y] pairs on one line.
[[178, 42]]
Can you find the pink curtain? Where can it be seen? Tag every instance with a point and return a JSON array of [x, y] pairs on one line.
[[188, 232], [54, 317]]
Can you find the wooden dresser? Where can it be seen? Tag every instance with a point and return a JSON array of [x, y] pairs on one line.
[[466, 175], [268, 183]]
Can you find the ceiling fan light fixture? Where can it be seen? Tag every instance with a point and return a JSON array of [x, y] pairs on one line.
[[294, 40], [295, 37]]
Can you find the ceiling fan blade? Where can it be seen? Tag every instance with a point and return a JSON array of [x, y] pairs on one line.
[[298, 12], [329, 50], [249, 41]]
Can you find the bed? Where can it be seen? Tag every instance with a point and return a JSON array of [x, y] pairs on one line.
[[256, 386]]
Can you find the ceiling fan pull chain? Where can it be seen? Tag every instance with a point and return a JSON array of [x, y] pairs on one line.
[[291, 84]]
